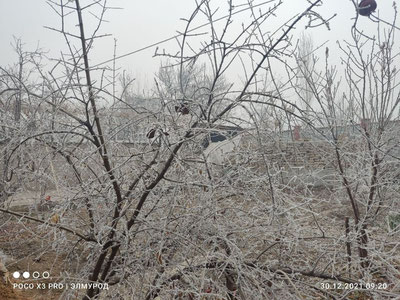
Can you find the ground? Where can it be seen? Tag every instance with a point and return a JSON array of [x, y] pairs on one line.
[[23, 250], [28, 248]]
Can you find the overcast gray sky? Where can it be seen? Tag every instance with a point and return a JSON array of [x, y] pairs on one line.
[[141, 23]]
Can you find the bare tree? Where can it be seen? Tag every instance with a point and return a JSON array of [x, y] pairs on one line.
[[359, 121], [306, 62], [148, 213]]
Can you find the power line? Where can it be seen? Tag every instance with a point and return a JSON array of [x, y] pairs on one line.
[[178, 35]]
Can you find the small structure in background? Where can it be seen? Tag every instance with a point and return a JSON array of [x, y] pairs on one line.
[[367, 7], [365, 124], [297, 133]]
